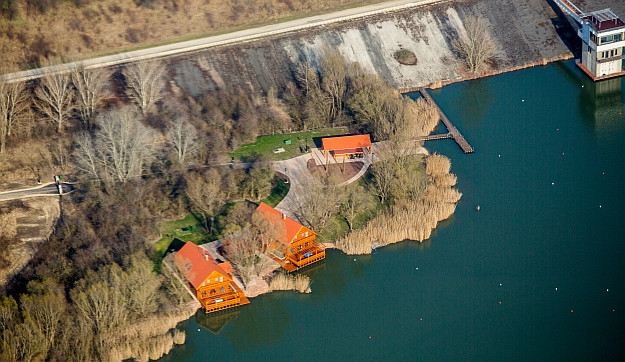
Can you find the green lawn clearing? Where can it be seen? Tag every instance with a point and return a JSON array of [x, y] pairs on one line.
[[293, 144], [187, 229]]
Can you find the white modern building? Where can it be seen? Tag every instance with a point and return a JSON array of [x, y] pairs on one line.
[[603, 42]]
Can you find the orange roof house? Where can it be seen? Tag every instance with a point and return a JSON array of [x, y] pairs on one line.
[[346, 146], [294, 246], [212, 281]]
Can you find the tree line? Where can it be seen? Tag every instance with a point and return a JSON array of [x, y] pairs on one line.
[[140, 157]]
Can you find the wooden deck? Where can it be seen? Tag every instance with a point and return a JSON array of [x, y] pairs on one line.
[[453, 131]]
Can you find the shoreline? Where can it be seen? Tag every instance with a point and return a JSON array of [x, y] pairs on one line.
[[442, 83]]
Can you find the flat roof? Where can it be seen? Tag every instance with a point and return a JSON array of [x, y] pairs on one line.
[[346, 142], [606, 19]]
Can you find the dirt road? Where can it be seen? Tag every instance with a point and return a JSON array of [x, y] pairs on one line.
[[225, 39]]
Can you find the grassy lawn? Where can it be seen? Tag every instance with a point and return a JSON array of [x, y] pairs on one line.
[[170, 230], [277, 193], [265, 145]]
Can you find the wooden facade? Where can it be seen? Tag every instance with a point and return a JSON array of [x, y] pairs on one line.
[[295, 246], [212, 281]]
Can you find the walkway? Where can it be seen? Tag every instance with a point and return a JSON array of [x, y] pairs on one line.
[[453, 131], [49, 189], [296, 169], [225, 39]]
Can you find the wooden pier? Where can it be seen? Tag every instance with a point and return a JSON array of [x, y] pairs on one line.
[[453, 131]]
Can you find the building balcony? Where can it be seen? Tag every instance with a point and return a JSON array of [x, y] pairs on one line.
[[308, 255]]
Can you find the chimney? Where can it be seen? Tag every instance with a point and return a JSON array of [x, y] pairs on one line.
[[283, 216], [206, 257]]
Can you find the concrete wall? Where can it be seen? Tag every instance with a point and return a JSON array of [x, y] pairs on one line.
[[522, 31]]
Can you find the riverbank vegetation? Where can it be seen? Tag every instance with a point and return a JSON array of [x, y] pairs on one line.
[[299, 283], [136, 162], [413, 216]]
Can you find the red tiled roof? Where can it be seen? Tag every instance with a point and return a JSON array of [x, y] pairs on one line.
[[287, 227], [196, 264], [345, 142]]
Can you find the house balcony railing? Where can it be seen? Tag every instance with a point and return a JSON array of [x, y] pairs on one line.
[[308, 255]]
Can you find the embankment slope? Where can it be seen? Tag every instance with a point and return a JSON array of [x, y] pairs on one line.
[[523, 32]]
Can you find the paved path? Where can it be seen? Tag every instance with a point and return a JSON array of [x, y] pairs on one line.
[[225, 39], [43, 190], [296, 169]]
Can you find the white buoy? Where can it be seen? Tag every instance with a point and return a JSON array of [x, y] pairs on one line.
[[522, 100], [477, 208], [500, 284], [556, 288], [552, 183]]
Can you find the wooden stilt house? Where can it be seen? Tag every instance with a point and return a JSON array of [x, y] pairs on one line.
[[212, 280], [294, 246]]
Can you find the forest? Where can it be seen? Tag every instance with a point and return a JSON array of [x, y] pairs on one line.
[[139, 155]]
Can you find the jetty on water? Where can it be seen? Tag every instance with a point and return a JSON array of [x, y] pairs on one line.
[[453, 131]]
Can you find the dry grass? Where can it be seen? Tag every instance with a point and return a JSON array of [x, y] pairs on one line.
[[105, 26], [428, 116], [437, 165], [281, 281], [409, 220], [149, 339]]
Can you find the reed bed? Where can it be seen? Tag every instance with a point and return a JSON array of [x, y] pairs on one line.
[[445, 180], [407, 219], [299, 283], [149, 339], [428, 116], [437, 165]]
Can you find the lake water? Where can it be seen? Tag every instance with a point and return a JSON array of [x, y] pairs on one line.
[[538, 274]]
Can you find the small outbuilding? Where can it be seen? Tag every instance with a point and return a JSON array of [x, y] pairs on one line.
[[346, 146]]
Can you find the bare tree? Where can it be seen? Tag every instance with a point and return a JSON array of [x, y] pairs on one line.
[[242, 248], [13, 105], [91, 88], [45, 307], [316, 202], [476, 46], [86, 157], [55, 98], [182, 137], [123, 145], [145, 83], [206, 195], [334, 78], [306, 75], [354, 203]]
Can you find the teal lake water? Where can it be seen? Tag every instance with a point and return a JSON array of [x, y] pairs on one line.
[[548, 173]]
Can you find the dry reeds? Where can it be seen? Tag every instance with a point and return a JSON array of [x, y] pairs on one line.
[[149, 339], [409, 220], [437, 165], [281, 281], [428, 116]]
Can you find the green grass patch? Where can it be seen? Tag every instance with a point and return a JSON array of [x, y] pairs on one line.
[[265, 145], [187, 229], [278, 192]]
